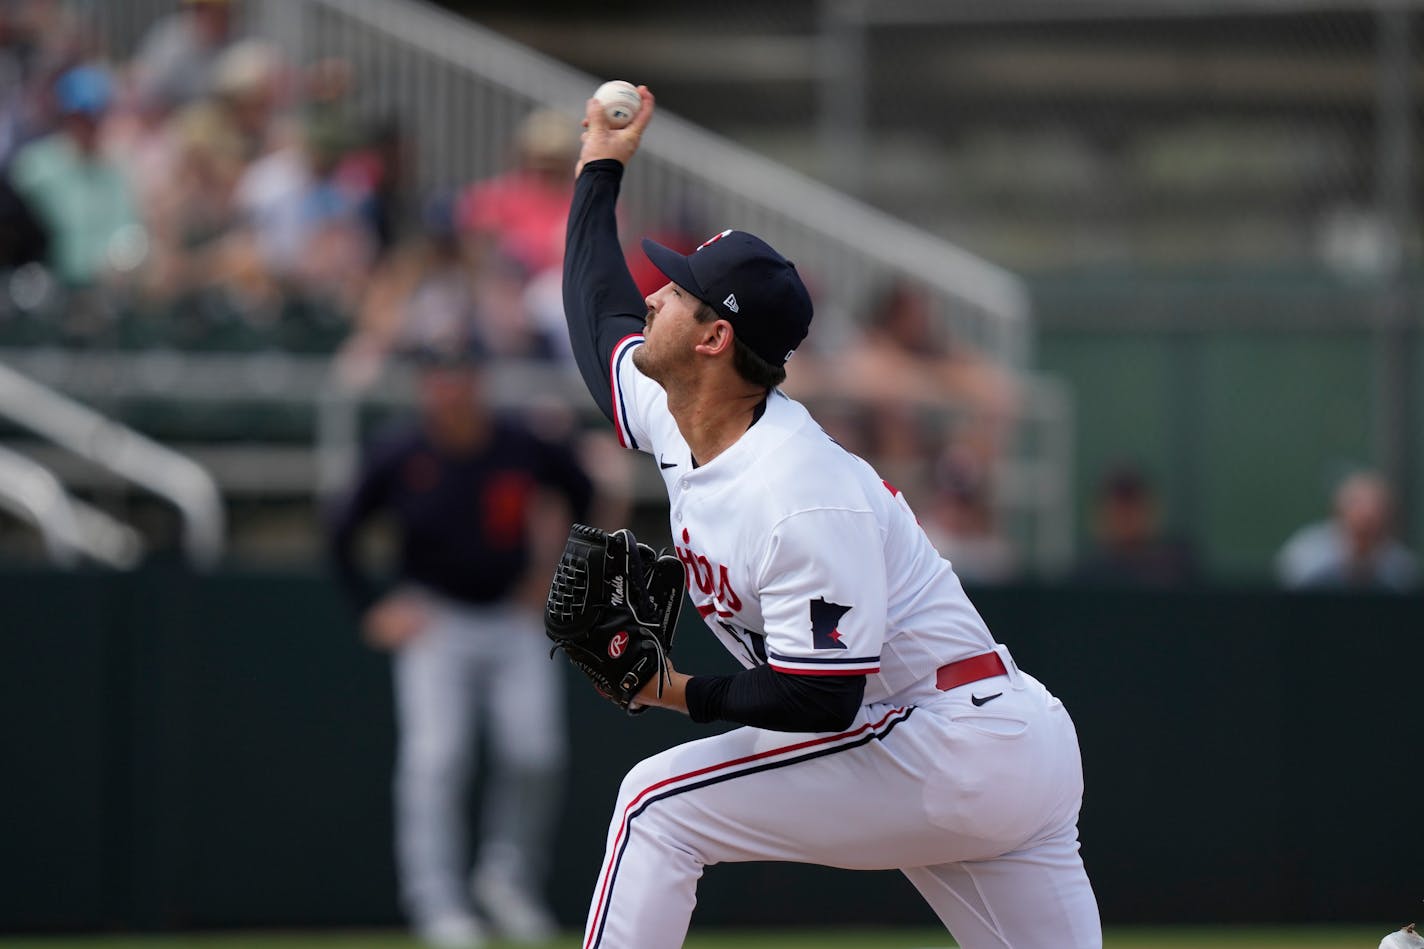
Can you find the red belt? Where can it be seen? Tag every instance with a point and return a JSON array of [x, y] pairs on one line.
[[965, 671]]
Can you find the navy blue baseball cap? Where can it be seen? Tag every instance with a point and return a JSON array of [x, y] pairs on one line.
[[748, 284]]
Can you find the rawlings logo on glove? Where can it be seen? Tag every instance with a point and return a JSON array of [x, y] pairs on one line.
[[612, 608], [617, 644]]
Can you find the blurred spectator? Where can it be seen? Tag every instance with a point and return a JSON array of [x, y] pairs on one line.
[[900, 355], [39, 40], [178, 208], [914, 390], [342, 245], [962, 524], [329, 124], [422, 295], [514, 225], [369, 159], [81, 198], [1132, 548], [174, 63], [1353, 549], [464, 624], [521, 215], [16, 104], [378, 167], [187, 167], [681, 229], [225, 131], [544, 297], [303, 224]]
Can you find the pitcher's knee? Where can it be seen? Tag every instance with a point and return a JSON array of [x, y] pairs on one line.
[[654, 812], [639, 784]]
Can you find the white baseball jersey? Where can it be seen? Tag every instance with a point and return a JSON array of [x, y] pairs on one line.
[[798, 555]]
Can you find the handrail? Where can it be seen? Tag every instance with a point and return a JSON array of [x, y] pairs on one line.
[[746, 186], [920, 13], [1037, 483], [68, 526], [124, 452]]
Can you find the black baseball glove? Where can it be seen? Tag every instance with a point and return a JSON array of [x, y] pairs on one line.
[[613, 608]]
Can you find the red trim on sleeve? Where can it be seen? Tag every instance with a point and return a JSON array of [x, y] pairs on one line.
[[824, 672]]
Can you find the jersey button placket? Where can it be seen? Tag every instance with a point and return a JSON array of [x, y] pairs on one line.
[[677, 503]]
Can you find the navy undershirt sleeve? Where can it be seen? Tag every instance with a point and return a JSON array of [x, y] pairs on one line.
[[765, 698], [601, 302]]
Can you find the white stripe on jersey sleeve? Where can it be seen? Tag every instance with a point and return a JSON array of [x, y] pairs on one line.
[[852, 666], [632, 393], [823, 593]]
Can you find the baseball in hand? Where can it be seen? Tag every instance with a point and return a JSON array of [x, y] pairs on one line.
[[620, 101]]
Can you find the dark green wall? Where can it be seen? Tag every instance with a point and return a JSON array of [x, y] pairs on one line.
[[1245, 396], [1243, 431], [215, 751]]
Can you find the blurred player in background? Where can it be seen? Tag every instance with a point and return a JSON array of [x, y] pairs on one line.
[[463, 625]]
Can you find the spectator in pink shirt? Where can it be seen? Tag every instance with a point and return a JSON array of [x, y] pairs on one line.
[[520, 215]]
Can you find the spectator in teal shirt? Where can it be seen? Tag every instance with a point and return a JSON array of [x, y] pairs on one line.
[[81, 197]]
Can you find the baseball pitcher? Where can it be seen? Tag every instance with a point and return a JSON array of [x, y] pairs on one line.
[[883, 725]]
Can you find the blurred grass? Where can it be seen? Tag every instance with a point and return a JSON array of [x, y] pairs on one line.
[[1202, 937]]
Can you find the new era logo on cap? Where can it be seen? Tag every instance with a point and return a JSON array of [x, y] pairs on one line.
[[747, 283]]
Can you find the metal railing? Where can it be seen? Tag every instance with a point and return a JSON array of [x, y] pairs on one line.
[[69, 528], [124, 452], [460, 91], [124, 24], [1033, 485]]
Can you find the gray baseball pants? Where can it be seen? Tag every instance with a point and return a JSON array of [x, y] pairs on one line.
[[475, 667]]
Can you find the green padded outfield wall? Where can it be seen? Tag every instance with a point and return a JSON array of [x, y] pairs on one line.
[[1243, 432], [1244, 395], [186, 751]]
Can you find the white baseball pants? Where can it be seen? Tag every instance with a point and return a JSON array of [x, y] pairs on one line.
[[470, 662], [977, 805]]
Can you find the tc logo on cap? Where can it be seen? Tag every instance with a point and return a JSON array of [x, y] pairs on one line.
[[713, 239]]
